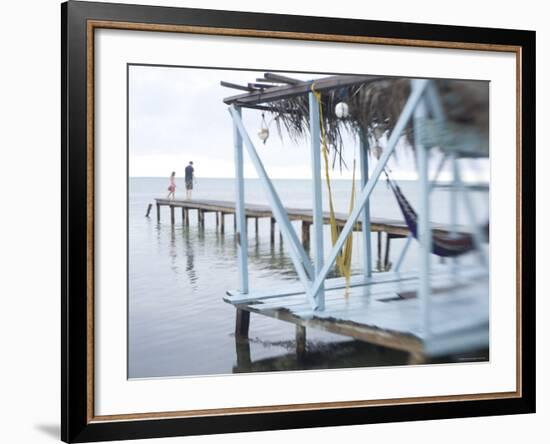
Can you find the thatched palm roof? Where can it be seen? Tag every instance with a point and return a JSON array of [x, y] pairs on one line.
[[375, 104]]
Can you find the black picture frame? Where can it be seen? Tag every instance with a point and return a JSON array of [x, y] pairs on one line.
[[76, 423]]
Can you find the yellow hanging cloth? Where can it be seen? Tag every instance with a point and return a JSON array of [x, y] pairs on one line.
[[343, 260]]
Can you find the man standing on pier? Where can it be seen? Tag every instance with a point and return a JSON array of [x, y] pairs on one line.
[[189, 177]]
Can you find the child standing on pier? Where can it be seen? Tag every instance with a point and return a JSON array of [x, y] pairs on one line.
[[172, 186]]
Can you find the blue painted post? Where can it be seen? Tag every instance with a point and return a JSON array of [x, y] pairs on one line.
[[240, 216], [454, 201], [424, 229], [365, 216], [438, 171], [403, 253], [301, 262], [454, 205], [474, 227], [314, 128], [410, 236]]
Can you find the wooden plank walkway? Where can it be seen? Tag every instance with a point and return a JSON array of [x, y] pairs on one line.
[[384, 310], [264, 211], [394, 228]]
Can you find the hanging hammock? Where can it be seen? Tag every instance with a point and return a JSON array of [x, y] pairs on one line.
[[443, 244]]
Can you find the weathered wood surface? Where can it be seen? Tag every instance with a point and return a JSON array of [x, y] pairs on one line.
[[296, 88], [242, 323], [397, 228], [385, 310]]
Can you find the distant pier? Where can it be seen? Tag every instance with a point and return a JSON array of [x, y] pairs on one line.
[[257, 211], [394, 229]]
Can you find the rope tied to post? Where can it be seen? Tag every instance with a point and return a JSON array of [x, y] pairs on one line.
[[343, 260]]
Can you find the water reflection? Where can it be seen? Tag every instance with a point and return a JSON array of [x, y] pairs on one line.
[[173, 251], [319, 355], [190, 257]]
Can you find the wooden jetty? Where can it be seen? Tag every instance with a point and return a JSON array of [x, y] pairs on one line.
[[384, 310], [257, 211], [393, 229]]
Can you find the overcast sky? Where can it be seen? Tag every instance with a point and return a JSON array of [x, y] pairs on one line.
[[177, 115]]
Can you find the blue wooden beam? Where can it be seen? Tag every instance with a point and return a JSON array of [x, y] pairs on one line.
[[410, 236], [424, 227], [240, 216], [403, 253], [474, 226], [301, 262], [314, 129], [365, 216]]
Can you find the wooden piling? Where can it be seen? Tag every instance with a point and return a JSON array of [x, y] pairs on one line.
[[222, 222], [186, 211], [172, 218], [272, 230], [182, 215], [300, 342], [158, 213], [242, 323], [242, 347], [217, 219], [387, 253], [379, 251], [256, 225], [305, 234], [148, 210]]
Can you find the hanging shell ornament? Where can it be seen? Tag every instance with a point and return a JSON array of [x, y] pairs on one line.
[[263, 132], [341, 110]]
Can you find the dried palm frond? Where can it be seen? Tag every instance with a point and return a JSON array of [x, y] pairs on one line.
[[374, 108]]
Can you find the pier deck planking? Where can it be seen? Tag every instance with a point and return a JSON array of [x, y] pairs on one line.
[[393, 227], [385, 311]]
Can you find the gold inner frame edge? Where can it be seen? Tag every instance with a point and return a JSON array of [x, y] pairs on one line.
[[92, 25]]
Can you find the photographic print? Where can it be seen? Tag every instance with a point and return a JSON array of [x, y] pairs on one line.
[[275, 221], [292, 221]]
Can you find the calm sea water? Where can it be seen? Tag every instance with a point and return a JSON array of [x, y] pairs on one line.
[[178, 274]]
